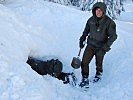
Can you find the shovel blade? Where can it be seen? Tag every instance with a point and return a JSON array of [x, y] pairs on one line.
[[76, 62]]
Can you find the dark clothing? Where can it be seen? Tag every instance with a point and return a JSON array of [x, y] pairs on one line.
[[41, 67], [101, 34], [47, 67], [89, 52], [51, 67]]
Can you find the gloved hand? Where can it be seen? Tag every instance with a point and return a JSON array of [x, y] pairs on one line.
[[82, 39], [106, 48], [81, 45]]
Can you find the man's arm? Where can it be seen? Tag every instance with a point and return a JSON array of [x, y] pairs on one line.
[[112, 36], [85, 32]]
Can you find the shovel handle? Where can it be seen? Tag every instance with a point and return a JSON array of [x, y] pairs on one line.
[[79, 52]]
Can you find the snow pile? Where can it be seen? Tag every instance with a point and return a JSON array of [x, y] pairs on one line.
[[128, 14], [46, 30]]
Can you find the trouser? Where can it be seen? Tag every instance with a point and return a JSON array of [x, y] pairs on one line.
[[89, 52]]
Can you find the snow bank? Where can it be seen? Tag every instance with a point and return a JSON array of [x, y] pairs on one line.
[[128, 14], [20, 37]]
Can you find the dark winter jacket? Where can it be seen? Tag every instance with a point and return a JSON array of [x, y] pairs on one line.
[[51, 67], [101, 32]]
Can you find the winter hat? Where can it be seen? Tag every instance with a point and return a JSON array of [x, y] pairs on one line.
[[100, 5]]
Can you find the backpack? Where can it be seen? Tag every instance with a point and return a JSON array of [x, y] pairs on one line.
[[54, 67]]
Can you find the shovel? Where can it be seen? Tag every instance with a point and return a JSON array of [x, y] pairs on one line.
[[76, 62]]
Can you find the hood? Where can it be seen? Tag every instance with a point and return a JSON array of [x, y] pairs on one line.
[[100, 5]]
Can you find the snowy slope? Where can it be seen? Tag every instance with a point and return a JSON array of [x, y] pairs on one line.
[[127, 15], [46, 30]]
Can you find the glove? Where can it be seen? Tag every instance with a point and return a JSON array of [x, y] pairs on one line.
[[81, 45], [106, 48], [82, 39]]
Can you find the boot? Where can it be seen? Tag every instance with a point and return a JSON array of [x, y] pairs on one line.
[[73, 79], [84, 83], [68, 78], [97, 77]]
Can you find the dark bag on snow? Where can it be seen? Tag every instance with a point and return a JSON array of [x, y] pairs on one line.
[[52, 67]]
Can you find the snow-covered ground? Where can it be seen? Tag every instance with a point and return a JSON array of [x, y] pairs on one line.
[[46, 30], [127, 15]]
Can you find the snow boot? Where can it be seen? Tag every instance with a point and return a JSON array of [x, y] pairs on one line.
[[84, 83], [97, 77], [68, 78], [72, 79]]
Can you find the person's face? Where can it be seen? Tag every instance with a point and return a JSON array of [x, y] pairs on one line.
[[99, 12]]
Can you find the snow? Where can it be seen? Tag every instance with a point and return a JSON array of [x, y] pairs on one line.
[[127, 15], [46, 30]]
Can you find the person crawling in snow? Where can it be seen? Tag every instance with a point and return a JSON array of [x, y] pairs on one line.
[[52, 67]]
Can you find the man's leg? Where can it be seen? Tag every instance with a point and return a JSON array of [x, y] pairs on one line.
[[87, 57], [99, 64], [99, 61]]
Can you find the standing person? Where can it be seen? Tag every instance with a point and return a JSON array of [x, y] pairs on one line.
[[101, 32]]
